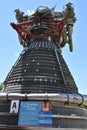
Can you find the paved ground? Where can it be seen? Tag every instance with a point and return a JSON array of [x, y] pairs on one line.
[[30, 128]]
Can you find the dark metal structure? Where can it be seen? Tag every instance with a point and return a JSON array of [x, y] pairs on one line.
[[40, 73], [39, 69]]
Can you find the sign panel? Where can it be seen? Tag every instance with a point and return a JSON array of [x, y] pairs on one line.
[[45, 119], [14, 106], [32, 113], [29, 113]]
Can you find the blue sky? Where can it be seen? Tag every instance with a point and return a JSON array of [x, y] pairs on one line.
[[10, 47]]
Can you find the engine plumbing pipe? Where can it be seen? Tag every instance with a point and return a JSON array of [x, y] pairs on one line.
[[77, 99]]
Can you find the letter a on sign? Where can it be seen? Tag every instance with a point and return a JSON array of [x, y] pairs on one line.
[[14, 106]]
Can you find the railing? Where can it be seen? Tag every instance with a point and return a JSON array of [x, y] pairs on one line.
[[77, 99]]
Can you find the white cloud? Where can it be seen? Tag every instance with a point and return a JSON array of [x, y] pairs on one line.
[[17, 54], [30, 12]]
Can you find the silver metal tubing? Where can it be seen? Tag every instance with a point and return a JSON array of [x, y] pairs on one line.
[[40, 96], [77, 99], [3, 96], [85, 100], [16, 96], [46, 96]]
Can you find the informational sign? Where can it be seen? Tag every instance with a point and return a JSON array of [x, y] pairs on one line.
[[29, 113], [14, 106], [45, 119], [35, 114]]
